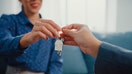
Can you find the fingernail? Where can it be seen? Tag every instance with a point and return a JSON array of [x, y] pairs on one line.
[[47, 38], [74, 30]]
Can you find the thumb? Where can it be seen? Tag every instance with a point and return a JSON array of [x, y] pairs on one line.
[[69, 32]]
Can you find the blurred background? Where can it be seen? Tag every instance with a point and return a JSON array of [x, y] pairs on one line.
[[103, 16]]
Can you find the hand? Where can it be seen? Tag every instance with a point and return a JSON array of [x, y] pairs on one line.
[[42, 30], [81, 37]]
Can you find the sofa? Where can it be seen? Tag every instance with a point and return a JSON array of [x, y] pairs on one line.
[[76, 62]]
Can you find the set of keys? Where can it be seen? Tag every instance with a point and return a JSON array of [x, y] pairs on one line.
[[59, 45]]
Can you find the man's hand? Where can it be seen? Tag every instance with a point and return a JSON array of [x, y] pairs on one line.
[[42, 30], [80, 35]]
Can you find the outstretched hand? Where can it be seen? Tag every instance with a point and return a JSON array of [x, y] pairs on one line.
[[80, 35]]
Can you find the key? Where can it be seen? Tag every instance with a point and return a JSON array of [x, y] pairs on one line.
[[59, 45]]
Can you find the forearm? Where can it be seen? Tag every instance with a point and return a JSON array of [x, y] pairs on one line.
[[113, 52], [93, 46], [113, 59], [10, 46]]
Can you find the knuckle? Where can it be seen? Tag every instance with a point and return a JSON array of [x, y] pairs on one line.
[[45, 24], [50, 20], [39, 33]]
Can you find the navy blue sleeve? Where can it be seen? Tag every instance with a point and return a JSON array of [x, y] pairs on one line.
[[9, 43], [55, 64], [112, 59]]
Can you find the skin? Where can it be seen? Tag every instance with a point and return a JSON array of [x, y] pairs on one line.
[[81, 36], [42, 29]]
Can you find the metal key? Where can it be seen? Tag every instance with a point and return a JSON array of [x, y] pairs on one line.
[[59, 45]]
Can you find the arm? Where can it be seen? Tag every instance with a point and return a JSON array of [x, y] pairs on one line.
[[42, 30], [9, 44], [112, 59]]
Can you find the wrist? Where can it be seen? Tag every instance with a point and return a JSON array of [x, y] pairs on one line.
[[93, 50], [25, 41], [96, 48]]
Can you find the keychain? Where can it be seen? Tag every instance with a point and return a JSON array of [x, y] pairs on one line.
[[59, 45]]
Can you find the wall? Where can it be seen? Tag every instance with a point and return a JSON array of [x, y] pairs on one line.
[[9, 6], [124, 15]]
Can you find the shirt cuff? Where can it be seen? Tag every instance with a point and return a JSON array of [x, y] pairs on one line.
[[16, 44], [109, 51], [105, 51], [105, 55]]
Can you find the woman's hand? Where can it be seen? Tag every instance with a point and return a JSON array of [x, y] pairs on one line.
[[42, 30]]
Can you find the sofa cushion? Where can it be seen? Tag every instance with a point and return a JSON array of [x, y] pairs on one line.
[[73, 61]]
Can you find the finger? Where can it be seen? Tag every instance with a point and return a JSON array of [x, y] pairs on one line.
[[51, 29], [62, 35], [41, 27], [42, 35], [37, 23], [46, 31], [77, 26], [73, 26], [53, 24], [67, 27], [68, 39], [69, 32], [70, 43], [36, 26]]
